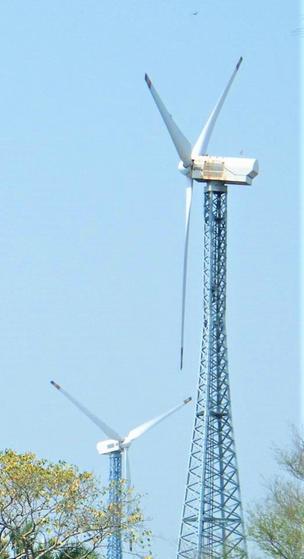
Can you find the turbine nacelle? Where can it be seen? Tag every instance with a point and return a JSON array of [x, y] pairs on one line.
[[227, 170], [112, 445], [108, 446]]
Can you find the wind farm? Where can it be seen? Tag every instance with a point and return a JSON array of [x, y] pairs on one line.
[[150, 240], [212, 519]]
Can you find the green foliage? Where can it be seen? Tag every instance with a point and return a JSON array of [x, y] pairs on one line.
[[277, 525], [53, 511]]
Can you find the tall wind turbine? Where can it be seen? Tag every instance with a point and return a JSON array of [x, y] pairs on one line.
[[117, 448], [212, 521]]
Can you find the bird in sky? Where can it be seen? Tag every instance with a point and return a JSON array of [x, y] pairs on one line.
[[194, 13]]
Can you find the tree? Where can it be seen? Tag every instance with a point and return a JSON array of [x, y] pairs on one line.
[[277, 525], [53, 511]]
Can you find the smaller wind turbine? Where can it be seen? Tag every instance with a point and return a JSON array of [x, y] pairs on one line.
[[117, 446]]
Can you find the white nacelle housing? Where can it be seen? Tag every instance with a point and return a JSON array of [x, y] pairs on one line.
[[105, 447], [229, 170]]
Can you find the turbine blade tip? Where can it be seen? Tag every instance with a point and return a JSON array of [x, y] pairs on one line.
[[181, 358], [55, 384], [239, 62], [148, 81], [188, 400]]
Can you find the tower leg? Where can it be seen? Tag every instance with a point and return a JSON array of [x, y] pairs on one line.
[[212, 522]]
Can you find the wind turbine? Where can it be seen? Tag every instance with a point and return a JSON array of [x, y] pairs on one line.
[[117, 447], [212, 519], [196, 165]]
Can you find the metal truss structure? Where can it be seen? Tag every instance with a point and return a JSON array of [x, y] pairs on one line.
[[114, 544], [212, 521]]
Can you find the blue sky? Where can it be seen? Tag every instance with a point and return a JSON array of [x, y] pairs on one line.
[[92, 224]]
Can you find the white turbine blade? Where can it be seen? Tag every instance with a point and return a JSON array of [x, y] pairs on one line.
[[201, 145], [182, 145], [189, 191], [141, 429], [101, 424], [126, 467]]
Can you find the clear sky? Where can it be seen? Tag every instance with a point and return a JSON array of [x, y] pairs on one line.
[[92, 224]]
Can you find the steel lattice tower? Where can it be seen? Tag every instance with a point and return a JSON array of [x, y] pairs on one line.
[[212, 521], [114, 546]]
